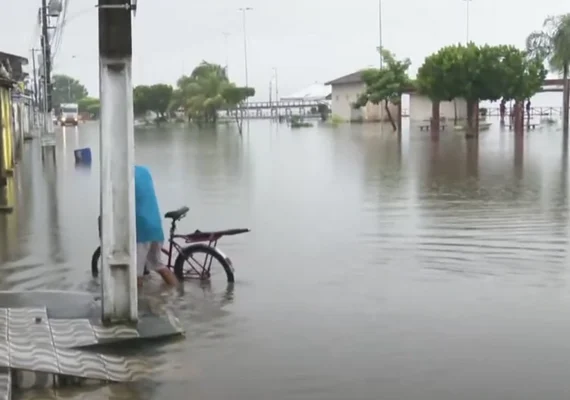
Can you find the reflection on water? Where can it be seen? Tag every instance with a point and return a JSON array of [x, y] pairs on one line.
[[378, 266]]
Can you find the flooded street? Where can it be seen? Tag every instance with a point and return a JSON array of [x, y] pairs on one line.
[[376, 268]]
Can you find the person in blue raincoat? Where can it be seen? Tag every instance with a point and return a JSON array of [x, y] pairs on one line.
[[150, 234]]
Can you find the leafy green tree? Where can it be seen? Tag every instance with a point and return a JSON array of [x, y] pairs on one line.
[[386, 84], [552, 44], [478, 73], [234, 96], [90, 105], [440, 79], [521, 76], [141, 96], [200, 94], [159, 98], [67, 90]]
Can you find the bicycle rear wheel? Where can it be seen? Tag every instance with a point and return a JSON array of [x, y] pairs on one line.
[[196, 261]]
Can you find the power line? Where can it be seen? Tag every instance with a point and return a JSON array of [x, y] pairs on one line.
[[60, 28]]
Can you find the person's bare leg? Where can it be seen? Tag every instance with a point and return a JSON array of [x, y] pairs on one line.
[[168, 276], [155, 264]]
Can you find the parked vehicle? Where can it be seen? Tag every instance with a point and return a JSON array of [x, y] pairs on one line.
[[69, 114]]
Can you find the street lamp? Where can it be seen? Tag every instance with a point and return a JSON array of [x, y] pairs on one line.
[[380, 32], [226, 35], [276, 85], [467, 22], [244, 11]]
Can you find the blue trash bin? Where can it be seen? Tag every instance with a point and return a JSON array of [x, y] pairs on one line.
[[83, 156]]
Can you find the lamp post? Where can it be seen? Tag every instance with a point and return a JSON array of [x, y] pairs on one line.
[[244, 10], [467, 22], [226, 35], [380, 33]]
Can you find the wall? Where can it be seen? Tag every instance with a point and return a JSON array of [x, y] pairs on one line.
[[7, 134], [420, 109], [341, 104]]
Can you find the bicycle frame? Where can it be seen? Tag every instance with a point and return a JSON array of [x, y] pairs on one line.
[[211, 238]]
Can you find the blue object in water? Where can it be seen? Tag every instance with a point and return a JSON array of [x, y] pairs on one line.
[[83, 156]]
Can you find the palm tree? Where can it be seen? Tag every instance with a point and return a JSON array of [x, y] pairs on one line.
[[552, 44], [200, 94]]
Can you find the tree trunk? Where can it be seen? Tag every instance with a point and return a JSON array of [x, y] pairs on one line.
[[454, 112], [239, 120], [518, 117], [565, 101], [434, 125], [470, 129], [390, 115], [476, 113], [399, 121]]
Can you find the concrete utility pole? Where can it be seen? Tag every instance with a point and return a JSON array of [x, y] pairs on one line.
[[118, 239], [35, 77], [47, 85]]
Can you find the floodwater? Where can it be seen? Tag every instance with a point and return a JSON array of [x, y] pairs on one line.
[[377, 267]]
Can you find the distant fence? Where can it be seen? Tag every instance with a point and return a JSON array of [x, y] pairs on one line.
[[553, 112], [260, 113]]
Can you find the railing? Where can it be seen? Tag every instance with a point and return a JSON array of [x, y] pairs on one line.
[[534, 111], [256, 105]]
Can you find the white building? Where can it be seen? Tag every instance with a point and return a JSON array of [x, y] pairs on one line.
[[314, 92], [421, 109], [345, 92]]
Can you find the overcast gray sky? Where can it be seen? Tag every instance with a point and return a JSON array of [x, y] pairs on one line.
[[306, 40]]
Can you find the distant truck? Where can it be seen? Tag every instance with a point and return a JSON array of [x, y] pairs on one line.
[[69, 114]]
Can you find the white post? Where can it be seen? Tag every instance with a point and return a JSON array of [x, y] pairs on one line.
[[467, 22], [380, 44], [118, 239]]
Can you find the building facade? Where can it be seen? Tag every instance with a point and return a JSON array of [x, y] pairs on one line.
[[11, 75], [344, 94], [420, 109]]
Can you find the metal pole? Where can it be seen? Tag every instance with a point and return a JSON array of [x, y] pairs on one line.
[[380, 48], [244, 10], [276, 85], [47, 53], [46, 49], [45, 57], [467, 23], [35, 77], [118, 239], [226, 35]]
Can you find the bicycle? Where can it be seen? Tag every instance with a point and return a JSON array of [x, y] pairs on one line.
[[185, 265]]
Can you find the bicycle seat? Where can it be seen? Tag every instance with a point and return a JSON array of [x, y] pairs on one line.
[[177, 214]]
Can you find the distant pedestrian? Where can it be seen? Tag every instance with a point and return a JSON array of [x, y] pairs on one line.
[[528, 107], [503, 109]]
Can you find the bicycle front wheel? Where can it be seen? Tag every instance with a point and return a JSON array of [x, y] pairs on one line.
[[96, 257], [95, 262], [201, 261]]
